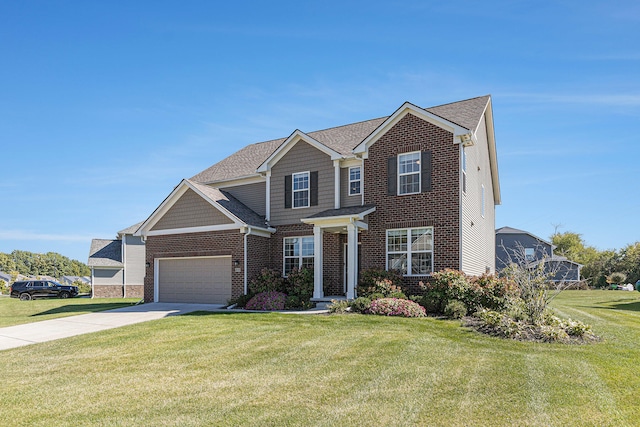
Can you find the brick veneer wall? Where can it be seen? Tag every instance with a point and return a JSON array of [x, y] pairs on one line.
[[439, 207], [332, 258], [107, 291], [193, 245], [258, 255]]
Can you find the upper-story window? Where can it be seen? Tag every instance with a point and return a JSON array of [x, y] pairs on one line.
[[529, 254], [301, 190], [355, 181], [409, 173]]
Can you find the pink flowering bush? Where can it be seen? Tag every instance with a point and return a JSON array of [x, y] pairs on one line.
[[396, 307], [267, 301]]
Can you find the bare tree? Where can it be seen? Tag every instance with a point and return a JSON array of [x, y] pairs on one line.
[[533, 277]]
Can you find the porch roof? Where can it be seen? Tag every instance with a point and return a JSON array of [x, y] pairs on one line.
[[349, 212]]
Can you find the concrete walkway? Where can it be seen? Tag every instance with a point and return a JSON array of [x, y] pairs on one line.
[[49, 330]]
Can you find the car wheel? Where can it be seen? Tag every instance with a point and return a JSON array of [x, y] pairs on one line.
[[64, 295], [25, 297]]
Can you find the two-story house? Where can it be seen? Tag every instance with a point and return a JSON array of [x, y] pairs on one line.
[[118, 265], [415, 191], [522, 247]]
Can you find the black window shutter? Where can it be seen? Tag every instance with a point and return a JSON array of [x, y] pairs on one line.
[[288, 192], [425, 171], [392, 176], [313, 187]]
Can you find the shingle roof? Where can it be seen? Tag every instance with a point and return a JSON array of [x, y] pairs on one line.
[[130, 230], [231, 205], [105, 253], [351, 210], [342, 139]]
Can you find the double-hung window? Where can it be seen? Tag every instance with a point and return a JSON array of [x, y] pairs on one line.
[[355, 181], [409, 173], [410, 250], [301, 190], [298, 253]]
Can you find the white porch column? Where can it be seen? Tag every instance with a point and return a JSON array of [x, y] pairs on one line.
[[336, 184], [352, 260], [318, 292]]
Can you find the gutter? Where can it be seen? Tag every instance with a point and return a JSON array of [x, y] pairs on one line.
[[245, 259]]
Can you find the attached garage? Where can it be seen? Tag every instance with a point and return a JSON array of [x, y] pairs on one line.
[[204, 280]]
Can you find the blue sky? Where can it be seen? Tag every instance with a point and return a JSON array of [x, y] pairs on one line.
[[106, 106]]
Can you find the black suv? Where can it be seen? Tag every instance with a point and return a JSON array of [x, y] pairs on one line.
[[30, 289]]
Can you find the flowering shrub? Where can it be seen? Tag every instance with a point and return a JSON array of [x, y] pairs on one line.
[[485, 291], [396, 307], [339, 306], [376, 281], [267, 301]]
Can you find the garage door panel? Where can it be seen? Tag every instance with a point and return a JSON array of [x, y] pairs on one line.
[[197, 280]]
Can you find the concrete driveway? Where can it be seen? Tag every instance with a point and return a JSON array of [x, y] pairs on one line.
[[49, 330]]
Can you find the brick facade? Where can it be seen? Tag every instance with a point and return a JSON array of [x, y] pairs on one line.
[[194, 245], [439, 207]]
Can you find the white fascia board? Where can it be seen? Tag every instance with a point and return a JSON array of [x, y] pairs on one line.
[[237, 221], [257, 231], [145, 228], [409, 108], [235, 182], [332, 221], [292, 140], [493, 154], [350, 162], [206, 228], [159, 212]]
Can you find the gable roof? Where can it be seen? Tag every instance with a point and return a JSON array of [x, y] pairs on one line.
[[344, 139], [239, 214], [130, 230], [105, 253], [511, 230]]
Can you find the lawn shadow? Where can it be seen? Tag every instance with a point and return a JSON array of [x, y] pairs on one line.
[[83, 308], [629, 306]]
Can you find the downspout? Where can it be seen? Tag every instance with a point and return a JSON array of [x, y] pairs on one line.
[[245, 259], [461, 211]]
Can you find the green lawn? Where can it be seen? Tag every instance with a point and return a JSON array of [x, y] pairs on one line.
[[299, 370], [16, 312]]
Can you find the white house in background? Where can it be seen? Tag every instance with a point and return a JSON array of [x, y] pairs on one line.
[[117, 266]]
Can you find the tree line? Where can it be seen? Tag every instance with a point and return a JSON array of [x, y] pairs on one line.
[[50, 264], [599, 265]]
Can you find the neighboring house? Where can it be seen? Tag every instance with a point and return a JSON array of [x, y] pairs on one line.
[[6, 277], [513, 245], [69, 280], [117, 266], [415, 191]]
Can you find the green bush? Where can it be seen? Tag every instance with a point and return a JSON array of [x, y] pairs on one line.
[[455, 309], [83, 288], [379, 281], [361, 304], [267, 281], [299, 283], [241, 301], [339, 306], [267, 301]]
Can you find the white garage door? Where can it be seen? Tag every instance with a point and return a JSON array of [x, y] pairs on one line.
[[205, 280]]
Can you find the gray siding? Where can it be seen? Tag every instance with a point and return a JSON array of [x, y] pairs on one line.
[[478, 232], [191, 210], [345, 199], [301, 157], [107, 276], [252, 195], [507, 243], [134, 260]]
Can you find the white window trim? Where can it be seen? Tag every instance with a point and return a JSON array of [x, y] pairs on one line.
[[464, 170], [293, 191], [409, 252], [299, 257], [419, 172], [355, 180]]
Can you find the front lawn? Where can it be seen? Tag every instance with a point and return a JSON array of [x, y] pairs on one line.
[[286, 369], [16, 312]]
